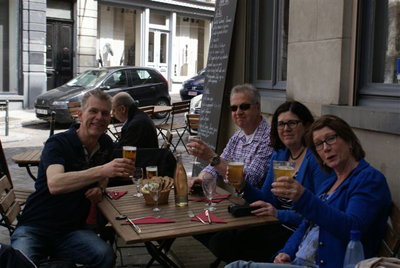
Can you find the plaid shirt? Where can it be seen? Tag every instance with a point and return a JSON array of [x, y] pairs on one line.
[[257, 154]]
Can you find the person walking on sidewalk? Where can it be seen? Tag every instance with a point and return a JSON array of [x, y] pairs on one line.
[[73, 173]]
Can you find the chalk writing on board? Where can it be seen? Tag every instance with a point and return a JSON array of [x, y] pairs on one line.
[[217, 64]]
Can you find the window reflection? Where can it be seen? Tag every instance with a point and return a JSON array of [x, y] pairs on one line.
[[151, 47], [386, 41]]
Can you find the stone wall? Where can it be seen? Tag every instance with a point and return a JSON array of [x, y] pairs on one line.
[[33, 50]]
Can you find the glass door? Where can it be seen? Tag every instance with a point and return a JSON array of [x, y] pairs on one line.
[[158, 51]]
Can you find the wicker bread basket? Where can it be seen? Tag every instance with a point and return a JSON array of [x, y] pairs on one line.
[[164, 195]]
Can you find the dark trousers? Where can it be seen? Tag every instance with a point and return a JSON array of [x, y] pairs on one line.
[[257, 244]]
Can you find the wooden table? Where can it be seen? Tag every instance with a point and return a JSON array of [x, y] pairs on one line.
[[28, 159], [135, 207]]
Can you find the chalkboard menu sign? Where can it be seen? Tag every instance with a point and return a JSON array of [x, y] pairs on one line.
[[217, 65]]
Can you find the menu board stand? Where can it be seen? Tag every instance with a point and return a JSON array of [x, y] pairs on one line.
[[217, 65]]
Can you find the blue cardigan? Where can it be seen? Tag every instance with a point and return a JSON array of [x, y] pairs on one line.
[[309, 175], [362, 202]]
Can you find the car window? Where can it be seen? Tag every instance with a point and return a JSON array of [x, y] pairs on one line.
[[141, 77], [87, 79], [117, 79]]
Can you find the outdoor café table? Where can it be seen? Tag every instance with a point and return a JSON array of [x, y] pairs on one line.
[[28, 159], [134, 207]]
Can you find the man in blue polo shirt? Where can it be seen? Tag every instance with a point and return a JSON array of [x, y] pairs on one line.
[[72, 174]]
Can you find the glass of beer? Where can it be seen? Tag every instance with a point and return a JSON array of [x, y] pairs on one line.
[[235, 167], [283, 169], [151, 171], [130, 153]]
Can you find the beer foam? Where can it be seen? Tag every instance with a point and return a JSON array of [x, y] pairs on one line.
[[284, 168], [236, 163]]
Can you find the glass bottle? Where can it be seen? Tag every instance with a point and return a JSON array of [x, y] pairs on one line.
[[354, 251], [180, 183]]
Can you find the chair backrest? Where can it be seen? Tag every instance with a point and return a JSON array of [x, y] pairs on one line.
[[9, 207], [149, 110], [115, 130], [180, 107], [167, 141], [192, 122], [73, 108], [391, 240]]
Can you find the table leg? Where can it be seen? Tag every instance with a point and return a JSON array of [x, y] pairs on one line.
[[158, 255], [30, 173]]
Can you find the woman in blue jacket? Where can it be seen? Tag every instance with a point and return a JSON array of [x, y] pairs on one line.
[[356, 198], [289, 125]]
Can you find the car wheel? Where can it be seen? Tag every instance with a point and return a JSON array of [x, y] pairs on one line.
[[161, 102]]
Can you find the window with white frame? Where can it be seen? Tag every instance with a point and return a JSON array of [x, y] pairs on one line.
[[269, 43], [379, 53]]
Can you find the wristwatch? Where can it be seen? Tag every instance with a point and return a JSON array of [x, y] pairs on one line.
[[215, 161]]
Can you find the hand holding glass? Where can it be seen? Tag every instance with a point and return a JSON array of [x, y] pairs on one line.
[[209, 188], [283, 169], [137, 177], [130, 153], [194, 161]]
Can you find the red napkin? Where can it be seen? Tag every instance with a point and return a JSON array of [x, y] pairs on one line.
[[150, 219], [116, 195], [216, 198], [213, 217]]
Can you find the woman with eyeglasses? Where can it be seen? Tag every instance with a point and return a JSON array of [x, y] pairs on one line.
[[289, 125], [357, 197]]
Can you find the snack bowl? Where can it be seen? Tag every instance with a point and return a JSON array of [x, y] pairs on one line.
[[164, 195]]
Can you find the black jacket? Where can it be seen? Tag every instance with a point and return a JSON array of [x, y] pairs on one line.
[[138, 131]]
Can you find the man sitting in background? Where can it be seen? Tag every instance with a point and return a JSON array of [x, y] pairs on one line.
[[138, 129]]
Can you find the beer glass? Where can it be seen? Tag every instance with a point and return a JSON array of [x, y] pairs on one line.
[[137, 177], [151, 171], [236, 167], [130, 153], [283, 169], [209, 187]]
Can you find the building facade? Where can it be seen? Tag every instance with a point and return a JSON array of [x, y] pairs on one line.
[[46, 43], [336, 56]]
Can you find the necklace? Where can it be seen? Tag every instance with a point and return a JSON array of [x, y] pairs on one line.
[[297, 157]]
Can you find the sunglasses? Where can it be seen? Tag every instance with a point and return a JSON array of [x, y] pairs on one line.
[[243, 107]]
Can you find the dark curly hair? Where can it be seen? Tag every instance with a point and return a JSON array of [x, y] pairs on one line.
[[300, 110], [342, 129]]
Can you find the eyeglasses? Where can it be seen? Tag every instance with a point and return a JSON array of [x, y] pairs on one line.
[[243, 107], [319, 145], [292, 124]]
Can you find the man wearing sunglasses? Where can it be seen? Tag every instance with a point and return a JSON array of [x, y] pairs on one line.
[[251, 143]]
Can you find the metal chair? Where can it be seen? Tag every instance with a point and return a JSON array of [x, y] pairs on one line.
[[167, 142], [177, 108], [149, 110], [9, 206], [192, 121], [21, 194]]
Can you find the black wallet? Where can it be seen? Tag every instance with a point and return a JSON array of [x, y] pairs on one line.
[[241, 210]]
